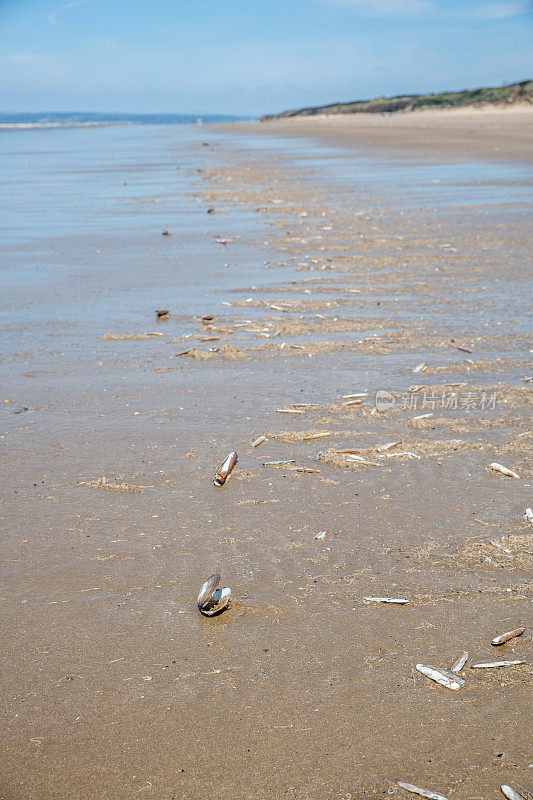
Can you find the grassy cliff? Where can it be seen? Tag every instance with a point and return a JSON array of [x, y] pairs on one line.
[[514, 92]]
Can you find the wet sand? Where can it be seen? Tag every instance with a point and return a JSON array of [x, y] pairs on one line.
[[329, 269]]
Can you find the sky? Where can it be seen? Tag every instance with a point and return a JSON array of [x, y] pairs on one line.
[[249, 57]]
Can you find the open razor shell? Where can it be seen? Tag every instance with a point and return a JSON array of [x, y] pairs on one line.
[[208, 589], [216, 603]]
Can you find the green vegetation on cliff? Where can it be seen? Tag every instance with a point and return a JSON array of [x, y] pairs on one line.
[[506, 95]]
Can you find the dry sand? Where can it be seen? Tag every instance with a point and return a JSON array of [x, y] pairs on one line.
[[501, 134], [113, 685]]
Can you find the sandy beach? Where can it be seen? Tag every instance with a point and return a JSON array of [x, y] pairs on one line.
[[363, 284]]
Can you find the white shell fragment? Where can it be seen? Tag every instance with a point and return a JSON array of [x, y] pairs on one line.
[[505, 637], [423, 416], [420, 367], [441, 678], [355, 396], [259, 441], [361, 460], [387, 446], [406, 453], [422, 792], [320, 535], [504, 470], [528, 516], [211, 599], [510, 793], [489, 664], [459, 663], [398, 601]]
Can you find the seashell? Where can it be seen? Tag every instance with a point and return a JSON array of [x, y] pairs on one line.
[[162, 312], [320, 435], [320, 535], [440, 677], [211, 599], [505, 637], [224, 470], [422, 792], [420, 367], [354, 396], [528, 516], [208, 589], [398, 601], [387, 446], [504, 470], [510, 793], [218, 602], [352, 402], [405, 453], [488, 664], [361, 460], [259, 441], [459, 663], [453, 676], [422, 416]]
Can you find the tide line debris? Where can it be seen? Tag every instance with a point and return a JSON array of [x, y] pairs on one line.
[[224, 470], [503, 470], [439, 676], [397, 601], [459, 663], [510, 793], [491, 664], [422, 792], [212, 600], [506, 637]]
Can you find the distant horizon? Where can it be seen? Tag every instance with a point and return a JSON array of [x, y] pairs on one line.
[[234, 116]]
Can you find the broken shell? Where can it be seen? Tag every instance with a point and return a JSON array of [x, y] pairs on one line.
[[505, 637], [224, 470], [387, 446], [504, 470], [259, 441], [208, 589], [510, 793], [320, 535], [440, 677], [488, 664], [218, 602], [528, 516], [398, 601], [459, 663], [422, 792]]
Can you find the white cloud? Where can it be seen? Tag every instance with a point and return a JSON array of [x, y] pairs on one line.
[[52, 16], [502, 9], [385, 8]]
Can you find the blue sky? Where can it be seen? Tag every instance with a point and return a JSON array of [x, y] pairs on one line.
[[251, 56]]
